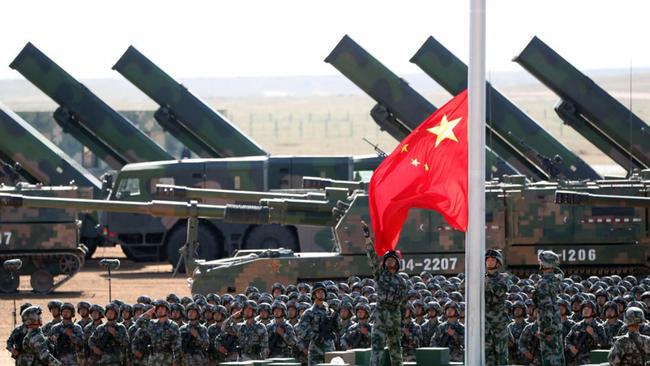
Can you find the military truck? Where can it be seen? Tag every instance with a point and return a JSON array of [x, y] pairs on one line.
[[522, 219], [45, 239]]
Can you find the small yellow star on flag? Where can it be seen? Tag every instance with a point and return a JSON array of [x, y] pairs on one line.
[[426, 167], [445, 130], [405, 148], [415, 162]]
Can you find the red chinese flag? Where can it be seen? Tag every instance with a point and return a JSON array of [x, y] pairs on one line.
[[427, 170]]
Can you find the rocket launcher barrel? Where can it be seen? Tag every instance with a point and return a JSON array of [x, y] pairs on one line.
[[504, 118], [167, 191], [301, 212], [39, 159], [597, 111], [400, 108], [189, 118], [93, 118], [322, 183], [582, 198]]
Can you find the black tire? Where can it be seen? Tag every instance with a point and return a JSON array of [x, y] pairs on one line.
[[271, 236], [8, 283], [210, 247], [42, 281]]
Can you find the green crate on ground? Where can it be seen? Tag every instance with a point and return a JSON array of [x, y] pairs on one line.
[[598, 356], [362, 356], [432, 356]]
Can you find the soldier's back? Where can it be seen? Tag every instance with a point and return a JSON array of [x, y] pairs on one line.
[[629, 350]]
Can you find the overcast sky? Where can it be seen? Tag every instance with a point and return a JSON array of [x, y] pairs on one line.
[[271, 38]]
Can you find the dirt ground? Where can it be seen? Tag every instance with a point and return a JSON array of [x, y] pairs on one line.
[[91, 284]]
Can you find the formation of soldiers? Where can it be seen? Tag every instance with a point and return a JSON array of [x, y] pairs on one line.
[[543, 319]]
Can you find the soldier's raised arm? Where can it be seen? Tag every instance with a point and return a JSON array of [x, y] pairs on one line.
[[370, 249]]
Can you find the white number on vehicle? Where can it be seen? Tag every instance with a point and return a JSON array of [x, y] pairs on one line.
[[431, 264], [5, 238], [576, 255]]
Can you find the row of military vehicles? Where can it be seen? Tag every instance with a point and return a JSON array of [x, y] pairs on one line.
[[237, 215]]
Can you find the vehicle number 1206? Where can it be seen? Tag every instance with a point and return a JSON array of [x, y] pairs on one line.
[[431, 264]]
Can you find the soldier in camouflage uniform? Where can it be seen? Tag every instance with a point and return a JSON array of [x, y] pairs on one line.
[[612, 322], [567, 323], [194, 338], [632, 348], [253, 340], [264, 316], [529, 343], [140, 345], [585, 336], [419, 312], [214, 330], [83, 309], [391, 300], [96, 314], [345, 322], [497, 335], [35, 349], [545, 299], [163, 335], [227, 344], [358, 335], [54, 307], [451, 333], [318, 327], [429, 327], [110, 341], [411, 334], [177, 313], [15, 340], [67, 337], [516, 328], [282, 337]]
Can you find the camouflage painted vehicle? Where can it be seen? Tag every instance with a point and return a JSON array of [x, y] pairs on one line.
[[522, 218], [590, 110], [400, 108], [548, 155], [42, 162], [45, 239], [108, 134]]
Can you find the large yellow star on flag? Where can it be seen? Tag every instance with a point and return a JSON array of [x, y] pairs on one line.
[[445, 130]]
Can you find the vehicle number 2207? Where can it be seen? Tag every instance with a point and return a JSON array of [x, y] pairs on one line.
[[431, 264], [5, 238]]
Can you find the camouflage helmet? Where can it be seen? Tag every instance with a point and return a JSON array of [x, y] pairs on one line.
[[518, 305], [192, 306], [250, 304], [97, 308], [353, 279], [419, 303], [279, 305], [589, 304], [222, 310], [186, 300], [213, 298], [54, 304], [83, 305], [241, 298], [292, 304], [645, 295], [291, 288], [31, 315], [362, 306], [303, 306], [393, 254], [178, 307], [163, 303], [139, 307], [345, 304], [453, 305], [144, 299], [318, 286], [112, 306], [548, 259], [226, 299], [24, 306], [634, 315], [434, 305], [303, 286], [496, 254], [631, 279], [126, 307], [612, 305], [265, 306], [277, 286], [251, 289], [344, 287], [69, 306]]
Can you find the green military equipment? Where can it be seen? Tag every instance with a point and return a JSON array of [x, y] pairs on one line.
[[111, 136], [45, 240], [549, 156], [400, 108], [522, 219], [43, 162], [199, 127], [590, 110], [582, 198]]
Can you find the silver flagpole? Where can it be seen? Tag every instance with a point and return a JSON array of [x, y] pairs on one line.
[[475, 238]]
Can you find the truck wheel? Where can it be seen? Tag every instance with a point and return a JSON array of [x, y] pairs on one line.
[[271, 236], [210, 247], [8, 283], [42, 281]]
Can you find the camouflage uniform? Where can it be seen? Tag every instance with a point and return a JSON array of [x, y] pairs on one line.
[[545, 299], [311, 323], [455, 342], [15, 341], [529, 342], [411, 339], [47, 328], [429, 327], [632, 348], [251, 335], [35, 348], [585, 343], [496, 314], [67, 348], [114, 347], [354, 337], [391, 300], [281, 343], [140, 341], [90, 328], [165, 342], [194, 348], [516, 328]]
